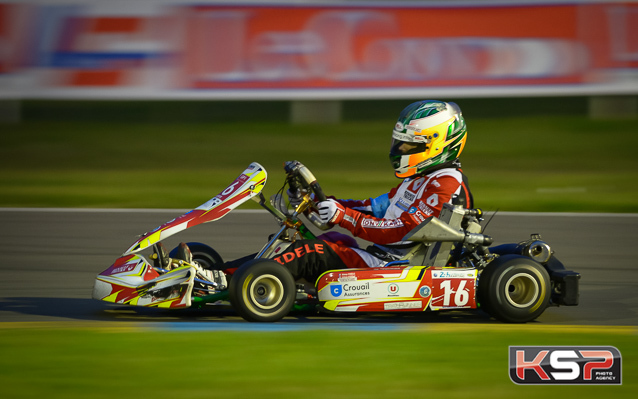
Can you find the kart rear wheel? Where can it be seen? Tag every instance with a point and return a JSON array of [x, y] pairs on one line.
[[514, 289], [262, 290]]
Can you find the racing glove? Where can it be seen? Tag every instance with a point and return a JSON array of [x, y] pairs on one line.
[[330, 211]]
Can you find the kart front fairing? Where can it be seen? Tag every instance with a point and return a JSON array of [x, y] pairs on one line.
[[247, 185], [133, 280]]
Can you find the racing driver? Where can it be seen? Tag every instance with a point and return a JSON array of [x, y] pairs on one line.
[[427, 140]]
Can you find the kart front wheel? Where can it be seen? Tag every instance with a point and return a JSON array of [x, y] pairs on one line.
[[514, 289], [203, 254], [262, 290]]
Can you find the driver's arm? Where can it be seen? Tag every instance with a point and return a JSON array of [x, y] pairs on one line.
[[386, 231], [372, 206]]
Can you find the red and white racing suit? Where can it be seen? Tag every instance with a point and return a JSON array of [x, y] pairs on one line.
[[383, 220]]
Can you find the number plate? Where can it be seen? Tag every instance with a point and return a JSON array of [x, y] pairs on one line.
[[453, 289]]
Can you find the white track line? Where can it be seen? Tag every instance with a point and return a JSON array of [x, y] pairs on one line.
[[248, 211]]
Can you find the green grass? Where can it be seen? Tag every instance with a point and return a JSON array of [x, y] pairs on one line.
[[427, 363], [553, 163]]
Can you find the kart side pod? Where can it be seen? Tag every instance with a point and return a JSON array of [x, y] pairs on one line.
[[398, 289]]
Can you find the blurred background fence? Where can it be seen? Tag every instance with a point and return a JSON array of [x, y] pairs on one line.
[[315, 61]]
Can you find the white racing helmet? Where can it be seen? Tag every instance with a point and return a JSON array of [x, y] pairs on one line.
[[428, 134]]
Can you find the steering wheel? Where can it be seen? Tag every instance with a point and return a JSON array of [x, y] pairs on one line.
[[301, 178]]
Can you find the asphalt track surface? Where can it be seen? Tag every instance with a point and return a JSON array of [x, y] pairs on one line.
[[50, 257]]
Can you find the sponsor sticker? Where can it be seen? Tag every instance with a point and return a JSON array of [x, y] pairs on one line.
[[381, 224], [453, 274], [299, 252], [125, 268], [425, 209], [214, 202], [350, 289], [347, 277], [402, 204], [562, 365], [402, 305], [349, 219], [417, 216]]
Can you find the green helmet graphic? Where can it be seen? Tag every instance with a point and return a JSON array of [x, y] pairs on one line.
[[427, 134]]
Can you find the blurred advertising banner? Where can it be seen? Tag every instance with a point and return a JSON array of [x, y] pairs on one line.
[[228, 50]]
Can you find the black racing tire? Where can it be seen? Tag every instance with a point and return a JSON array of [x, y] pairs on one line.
[[262, 290], [514, 289], [204, 255]]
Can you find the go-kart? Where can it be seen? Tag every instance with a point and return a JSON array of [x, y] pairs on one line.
[[450, 266]]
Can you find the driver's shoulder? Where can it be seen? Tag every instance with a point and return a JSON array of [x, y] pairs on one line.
[[451, 173]]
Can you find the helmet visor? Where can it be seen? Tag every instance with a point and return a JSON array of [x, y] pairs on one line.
[[400, 148]]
